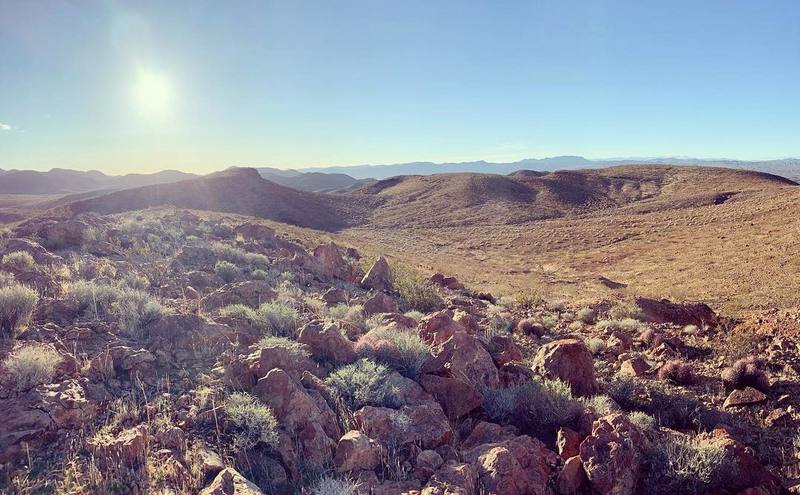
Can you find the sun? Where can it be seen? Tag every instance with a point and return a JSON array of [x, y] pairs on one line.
[[153, 94]]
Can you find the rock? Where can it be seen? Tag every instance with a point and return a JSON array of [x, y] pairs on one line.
[[436, 328], [457, 397], [127, 448], [254, 232], [744, 397], [210, 462], [610, 457], [250, 293], [171, 437], [334, 296], [355, 452], [379, 276], [572, 477], [568, 442], [463, 357], [425, 425], [230, 482], [380, 303], [503, 349], [427, 462], [331, 264], [451, 283], [518, 466], [635, 366], [665, 311], [278, 356], [749, 472], [41, 255], [569, 360], [327, 343], [778, 418], [485, 433], [453, 478]]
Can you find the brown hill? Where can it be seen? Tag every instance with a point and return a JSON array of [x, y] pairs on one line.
[[240, 190]]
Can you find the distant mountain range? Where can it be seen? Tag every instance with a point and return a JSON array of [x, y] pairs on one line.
[[347, 178]]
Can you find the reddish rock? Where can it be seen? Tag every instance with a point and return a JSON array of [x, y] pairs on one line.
[[127, 448], [572, 477], [749, 472], [635, 366], [744, 397], [379, 276], [331, 264], [485, 433], [453, 478], [425, 425], [334, 296], [427, 462], [436, 328], [457, 397], [327, 343], [519, 466], [610, 457], [665, 311], [380, 303], [355, 452], [568, 442], [463, 357], [569, 360], [503, 349], [250, 293], [230, 482]]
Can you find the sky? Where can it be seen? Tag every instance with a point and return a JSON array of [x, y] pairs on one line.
[[199, 86]]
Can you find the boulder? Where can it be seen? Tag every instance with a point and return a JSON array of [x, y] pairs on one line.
[[327, 343], [230, 482], [463, 357], [568, 442], [572, 478], [436, 328], [635, 366], [424, 425], [569, 360], [41, 255], [486, 433], [329, 263], [453, 478], [503, 349], [519, 466], [380, 303], [379, 276], [665, 311], [334, 296], [610, 457], [457, 397], [250, 293], [356, 452], [744, 397]]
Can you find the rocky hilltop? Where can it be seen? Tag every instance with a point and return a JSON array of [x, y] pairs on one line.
[[169, 351]]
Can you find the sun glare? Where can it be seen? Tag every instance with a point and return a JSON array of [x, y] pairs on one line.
[[153, 94]]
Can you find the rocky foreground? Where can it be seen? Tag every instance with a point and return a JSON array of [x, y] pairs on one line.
[[162, 352]]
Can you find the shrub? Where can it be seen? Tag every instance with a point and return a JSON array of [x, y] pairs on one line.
[[362, 383], [296, 350], [136, 310], [238, 256], [7, 279], [691, 330], [586, 315], [623, 389], [530, 300], [602, 405], [31, 365], [746, 372], [643, 421], [677, 372], [226, 270], [680, 464], [596, 345], [622, 311], [673, 410], [417, 292], [624, 325], [135, 281], [403, 351], [21, 260], [260, 275], [278, 319], [541, 405], [414, 314], [17, 303], [93, 298], [531, 326], [253, 421], [334, 486]]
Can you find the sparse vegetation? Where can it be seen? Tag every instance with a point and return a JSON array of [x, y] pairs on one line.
[[680, 464], [253, 422], [226, 270], [596, 345], [296, 349], [21, 260], [417, 292], [333, 486], [403, 351], [17, 303], [624, 325], [746, 372], [279, 319], [586, 315], [624, 311], [136, 310], [31, 365], [541, 405], [677, 372], [362, 383]]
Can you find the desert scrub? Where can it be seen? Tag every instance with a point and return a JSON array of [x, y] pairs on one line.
[[362, 383], [7, 279], [17, 303], [295, 349], [624, 390], [541, 405], [239, 257], [136, 310], [624, 325], [351, 315], [677, 372], [21, 260], [93, 299], [746, 372], [596, 345], [680, 464], [253, 422], [417, 292], [602, 405], [334, 486], [530, 300], [31, 365], [643, 421], [586, 315], [403, 351], [226, 270], [278, 319], [622, 311]]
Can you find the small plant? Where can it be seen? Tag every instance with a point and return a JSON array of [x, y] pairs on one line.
[[7, 279], [746, 372], [652, 338], [239, 257], [254, 422], [541, 405], [21, 260], [624, 325], [414, 314], [586, 315], [623, 389], [135, 281], [403, 351], [296, 350], [530, 300], [680, 464], [226, 270], [260, 274], [643, 421], [602, 405], [94, 299], [677, 372], [278, 319], [596, 345], [334, 486], [31, 365], [416, 291], [622, 311], [531, 326], [362, 383], [136, 310], [691, 330], [17, 303]]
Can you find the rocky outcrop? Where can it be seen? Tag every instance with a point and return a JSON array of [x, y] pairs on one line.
[[251, 293], [327, 343], [665, 311], [610, 456], [568, 360], [379, 276], [518, 466]]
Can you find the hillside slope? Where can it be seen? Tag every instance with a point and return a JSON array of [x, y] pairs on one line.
[[63, 181]]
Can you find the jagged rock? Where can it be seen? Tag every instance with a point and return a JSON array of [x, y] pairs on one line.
[[453, 478], [329, 263], [665, 311], [327, 342], [635, 366], [210, 462], [503, 349], [610, 456], [518, 466], [462, 356], [250, 293], [380, 303], [744, 397], [427, 462], [569, 360], [436, 328], [485, 433], [568, 442], [230, 482], [572, 477], [127, 448], [379, 276], [355, 452], [425, 425], [457, 397]]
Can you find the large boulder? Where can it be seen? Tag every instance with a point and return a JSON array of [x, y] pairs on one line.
[[666, 311], [424, 425], [379, 276], [519, 466], [457, 397], [250, 293], [610, 455], [462, 356], [380, 303], [327, 342], [230, 482], [568, 360], [356, 452], [328, 262]]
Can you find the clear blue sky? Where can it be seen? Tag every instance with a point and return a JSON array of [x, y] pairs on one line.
[[202, 85]]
